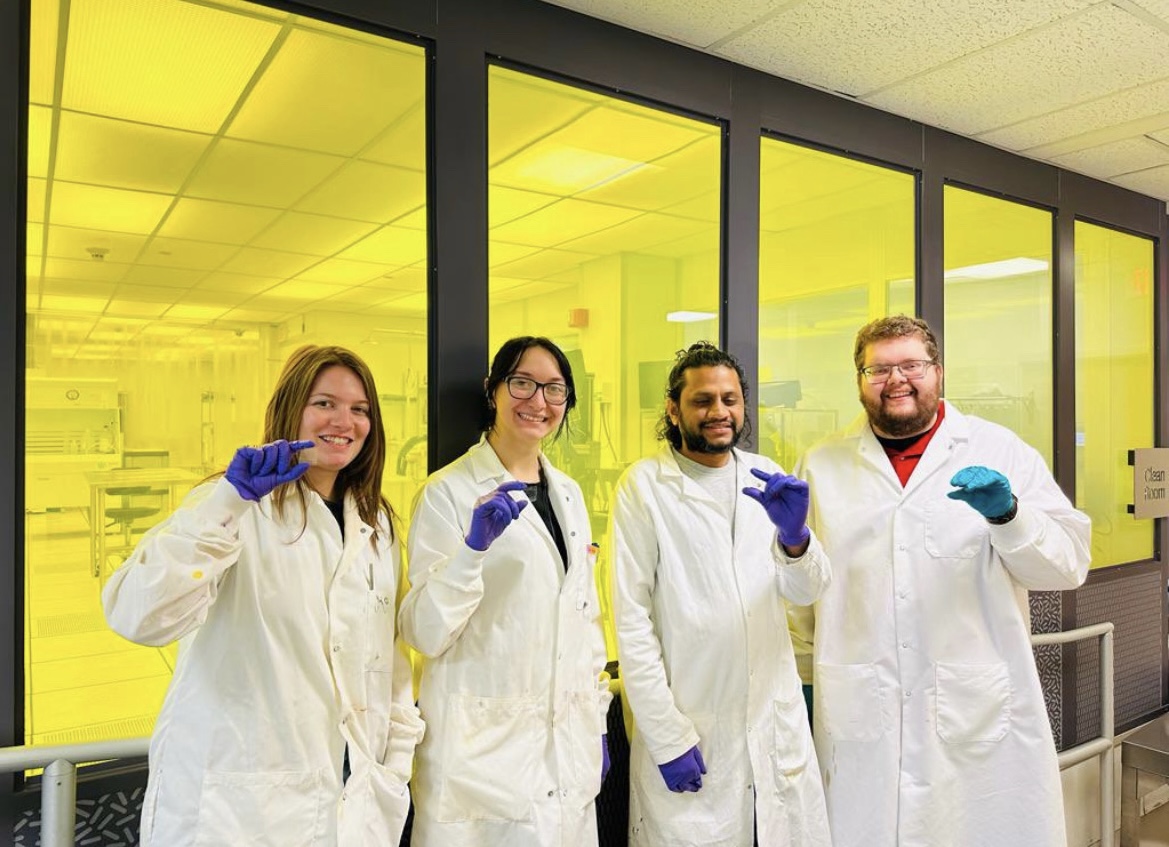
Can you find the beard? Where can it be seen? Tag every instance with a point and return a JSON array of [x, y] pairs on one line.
[[907, 423], [696, 442]]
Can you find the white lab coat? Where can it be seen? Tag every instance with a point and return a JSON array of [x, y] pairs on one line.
[[929, 716], [288, 653], [513, 689], [706, 660]]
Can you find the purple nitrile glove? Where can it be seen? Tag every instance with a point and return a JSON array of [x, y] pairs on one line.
[[685, 772], [256, 471], [785, 499], [492, 514], [987, 491], [604, 757]]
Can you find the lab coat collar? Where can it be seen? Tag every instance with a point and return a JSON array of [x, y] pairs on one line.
[[955, 429], [670, 473]]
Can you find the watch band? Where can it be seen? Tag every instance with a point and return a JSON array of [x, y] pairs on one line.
[[1007, 516]]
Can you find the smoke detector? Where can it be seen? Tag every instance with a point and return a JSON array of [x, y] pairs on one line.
[[98, 254]]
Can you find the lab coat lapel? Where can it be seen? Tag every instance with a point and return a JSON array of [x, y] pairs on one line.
[[953, 432], [871, 453]]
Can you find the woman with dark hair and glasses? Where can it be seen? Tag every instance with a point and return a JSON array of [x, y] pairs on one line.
[[281, 578], [504, 607]]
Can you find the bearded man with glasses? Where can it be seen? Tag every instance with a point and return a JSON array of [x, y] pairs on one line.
[[929, 715]]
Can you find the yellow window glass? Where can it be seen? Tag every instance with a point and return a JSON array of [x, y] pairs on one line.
[[836, 250], [604, 236], [211, 186], [998, 356], [1114, 385]]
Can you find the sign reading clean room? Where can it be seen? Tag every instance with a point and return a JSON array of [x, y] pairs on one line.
[[1150, 482]]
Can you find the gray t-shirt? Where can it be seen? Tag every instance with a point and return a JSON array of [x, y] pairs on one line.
[[719, 483]]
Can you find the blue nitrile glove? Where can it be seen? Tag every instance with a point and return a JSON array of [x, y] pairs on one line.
[[987, 491], [604, 757], [493, 512], [786, 500], [685, 772], [255, 471]]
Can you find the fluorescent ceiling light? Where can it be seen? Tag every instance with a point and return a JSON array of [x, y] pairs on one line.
[[993, 270], [684, 317]]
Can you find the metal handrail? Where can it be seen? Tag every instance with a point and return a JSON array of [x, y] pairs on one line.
[[1104, 745], [59, 781]]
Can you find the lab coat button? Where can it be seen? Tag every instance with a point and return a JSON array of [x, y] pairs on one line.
[[908, 694], [900, 546], [573, 534], [904, 645], [551, 793], [336, 648]]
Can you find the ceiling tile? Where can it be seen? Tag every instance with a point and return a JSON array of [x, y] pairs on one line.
[[36, 199], [180, 65], [245, 172], [90, 245], [59, 303], [125, 155], [92, 207], [403, 279], [641, 234], [85, 269], [42, 51], [542, 264], [77, 288], [268, 263], [560, 222], [369, 192], [848, 45], [187, 311], [1154, 182], [1109, 160], [355, 299], [249, 315], [180, 253], [331, 94], [208, 220], [130, 308], [390, 245], [162, 277], [314, 234], [696, 22], [34, 239], [500, 252], [402, 143], [40, 130], [693, 171], [1107, 114], [346, 272], [506, 204], [1162, 136], [222, 281], [523, 108], [221, 299], [1047, 70]]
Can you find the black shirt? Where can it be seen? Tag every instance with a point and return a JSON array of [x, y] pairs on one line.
[[538, 494]]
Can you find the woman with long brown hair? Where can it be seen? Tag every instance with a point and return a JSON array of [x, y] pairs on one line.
[[281, 580]]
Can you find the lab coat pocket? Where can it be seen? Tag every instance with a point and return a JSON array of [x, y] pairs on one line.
[[491, 758], [277, 808], [789, 750], [953, 530], [973, 701], [850, 703], [586, 728]]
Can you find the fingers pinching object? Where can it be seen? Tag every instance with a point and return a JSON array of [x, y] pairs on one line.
[[785, 499], [493, 513], [257, 471]]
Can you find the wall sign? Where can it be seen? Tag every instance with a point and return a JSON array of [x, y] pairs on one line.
[[1150, 482]]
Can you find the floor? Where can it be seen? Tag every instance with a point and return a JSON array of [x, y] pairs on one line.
[[83, 682]]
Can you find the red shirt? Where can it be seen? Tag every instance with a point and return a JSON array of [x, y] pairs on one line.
[[905, 456]]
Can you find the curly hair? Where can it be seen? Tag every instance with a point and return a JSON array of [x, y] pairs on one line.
[[700, 354]]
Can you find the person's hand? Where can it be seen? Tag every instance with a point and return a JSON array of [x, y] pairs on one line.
[[785, 498], [685, 772], [492, 514], [987, 491], [255, 471], [604, 757]]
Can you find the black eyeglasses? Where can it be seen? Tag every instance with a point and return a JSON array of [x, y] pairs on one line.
[[910, 369], [522, 388]]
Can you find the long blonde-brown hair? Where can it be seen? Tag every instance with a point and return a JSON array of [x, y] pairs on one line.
[[363, 476]]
